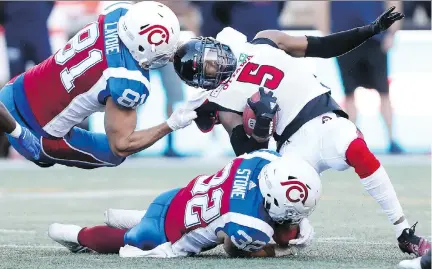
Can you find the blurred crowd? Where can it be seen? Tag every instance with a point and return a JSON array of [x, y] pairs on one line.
[[28, 25]]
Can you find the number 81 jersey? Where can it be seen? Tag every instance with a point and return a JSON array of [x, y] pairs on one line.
[[75, 82], [229, 201]]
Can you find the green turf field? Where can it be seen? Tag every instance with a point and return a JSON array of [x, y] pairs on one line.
[[351, 230]]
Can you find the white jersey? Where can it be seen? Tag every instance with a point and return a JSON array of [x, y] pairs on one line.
[[261, 65]]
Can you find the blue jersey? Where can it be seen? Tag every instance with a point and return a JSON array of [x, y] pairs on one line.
[[229, 201], [75, 82]]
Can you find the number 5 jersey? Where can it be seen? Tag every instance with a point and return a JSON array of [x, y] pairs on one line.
[[260, 64]]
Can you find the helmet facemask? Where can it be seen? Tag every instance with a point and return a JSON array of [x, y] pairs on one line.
[[213, 63]]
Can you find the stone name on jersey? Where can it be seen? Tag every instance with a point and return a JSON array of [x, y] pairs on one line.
[[241, 183]]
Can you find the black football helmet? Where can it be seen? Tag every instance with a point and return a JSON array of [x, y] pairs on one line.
[[204, 62]]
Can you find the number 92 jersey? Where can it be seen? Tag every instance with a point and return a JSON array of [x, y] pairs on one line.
[[260, 64], [75, 82], [229, 201]]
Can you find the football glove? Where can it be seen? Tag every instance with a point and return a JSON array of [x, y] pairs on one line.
[[185, 113], [385, 20], [265, 109], [306, 236]]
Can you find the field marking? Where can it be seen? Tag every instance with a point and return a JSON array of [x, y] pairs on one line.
[[337, 238], [102, 194], [198, 162], [31, 246], [11, 231]]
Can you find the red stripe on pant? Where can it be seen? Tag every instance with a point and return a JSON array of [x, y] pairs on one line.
[[60, 150]]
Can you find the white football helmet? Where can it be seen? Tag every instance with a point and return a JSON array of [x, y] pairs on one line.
[[151, 31], [291, 188]]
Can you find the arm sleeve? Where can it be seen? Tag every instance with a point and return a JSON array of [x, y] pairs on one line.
[[338, 43], [126, 93], [241, 143]]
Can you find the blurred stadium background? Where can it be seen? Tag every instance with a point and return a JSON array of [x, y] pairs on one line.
[[408, 63], [356, 237]]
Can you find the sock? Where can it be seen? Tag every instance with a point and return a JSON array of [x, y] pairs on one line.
[[102, 239], [376, 182]]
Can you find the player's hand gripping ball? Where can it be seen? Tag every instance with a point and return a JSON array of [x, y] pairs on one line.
[[249, 117], [283, 233]]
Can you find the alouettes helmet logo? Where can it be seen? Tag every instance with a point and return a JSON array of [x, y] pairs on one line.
[[297, 190], [157, 34]]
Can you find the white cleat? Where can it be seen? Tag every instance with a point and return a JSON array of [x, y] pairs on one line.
[[122, 218], [410, 264], [66, 235]]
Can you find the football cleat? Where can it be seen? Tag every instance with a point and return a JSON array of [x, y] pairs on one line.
[[122, 218], [67, 235], [413, 244]]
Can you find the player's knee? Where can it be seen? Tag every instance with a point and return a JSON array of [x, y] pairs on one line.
[[335, 142], [146, 235], [361, 158]]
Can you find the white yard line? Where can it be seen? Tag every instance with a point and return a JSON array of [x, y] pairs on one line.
[[8, 231], [102, 194], [31, 246]]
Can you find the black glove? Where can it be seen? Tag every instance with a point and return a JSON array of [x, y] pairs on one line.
[[385, 20], [207, 116], [265, 109]]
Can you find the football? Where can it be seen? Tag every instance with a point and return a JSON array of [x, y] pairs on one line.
[[249, 118], [283, 233]]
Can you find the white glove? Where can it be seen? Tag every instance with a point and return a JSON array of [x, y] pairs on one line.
[[306, 234], [185, 113]]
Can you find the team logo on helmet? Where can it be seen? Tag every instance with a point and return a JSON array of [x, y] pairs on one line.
[[296, 192], [157, 34]]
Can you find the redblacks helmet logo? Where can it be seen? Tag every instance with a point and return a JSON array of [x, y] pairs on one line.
[[157, 34], [298, 192]]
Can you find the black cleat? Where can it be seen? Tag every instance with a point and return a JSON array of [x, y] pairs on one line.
[[413, 244]]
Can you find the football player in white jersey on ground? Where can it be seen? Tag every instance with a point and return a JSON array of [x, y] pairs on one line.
[[310, 123], [254, 198]]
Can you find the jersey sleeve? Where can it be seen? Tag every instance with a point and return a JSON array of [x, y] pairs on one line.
[[127, 93], [265, 41], [247, 238], [230, 36]]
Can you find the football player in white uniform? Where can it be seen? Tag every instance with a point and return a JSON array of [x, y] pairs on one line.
[[310, 123]]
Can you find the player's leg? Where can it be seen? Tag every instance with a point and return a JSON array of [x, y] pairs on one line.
[[123, 218], [150, 232], [147, 234], [342, 146], [82, 149]]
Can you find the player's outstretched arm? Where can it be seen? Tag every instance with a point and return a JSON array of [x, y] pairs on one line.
[[120, 127], [332, 45], [120, 124]]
